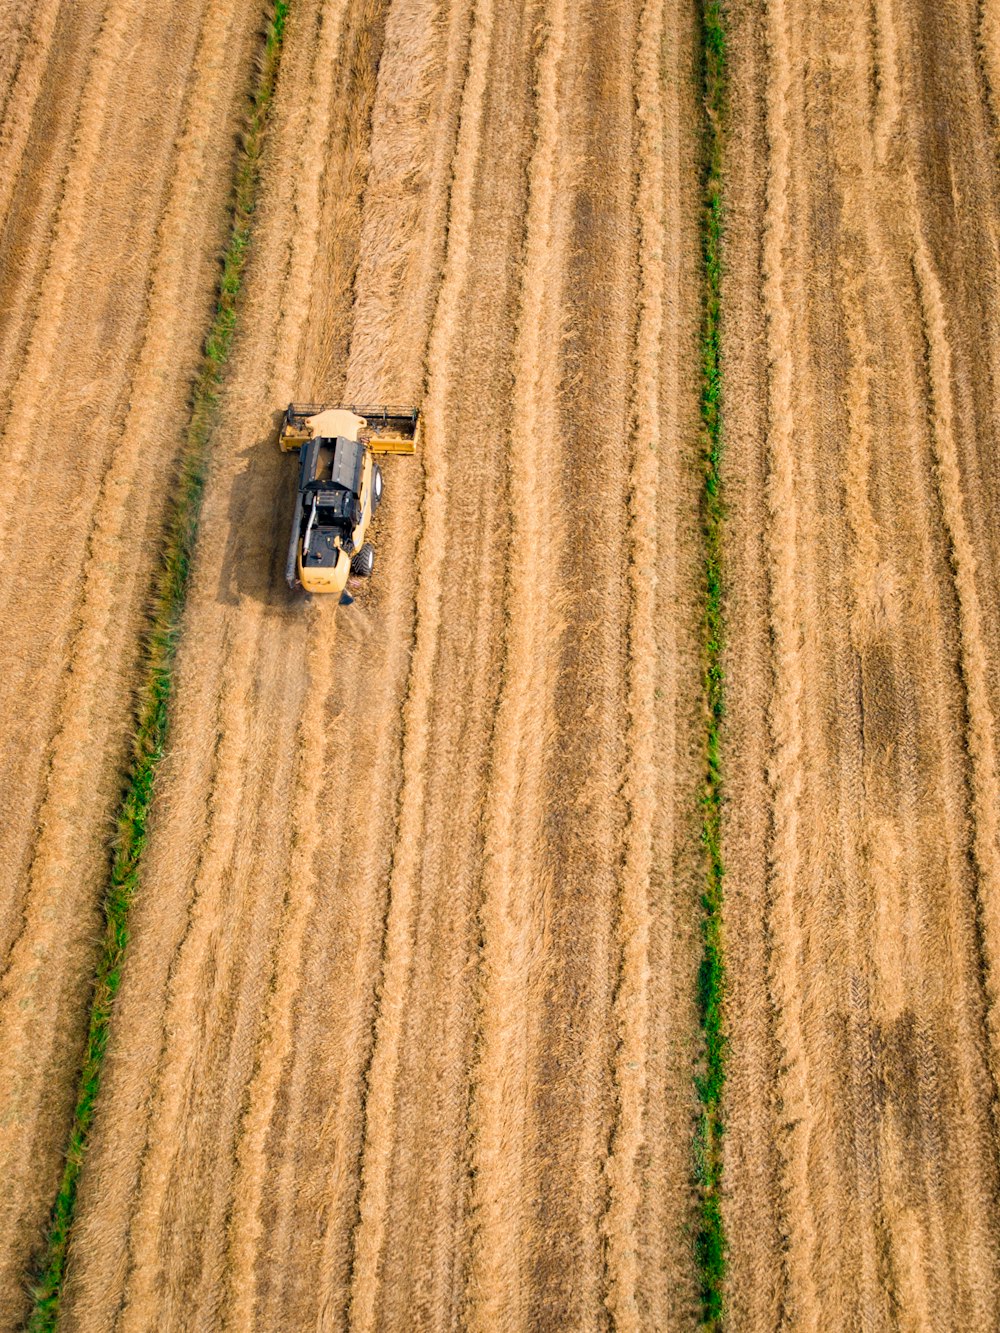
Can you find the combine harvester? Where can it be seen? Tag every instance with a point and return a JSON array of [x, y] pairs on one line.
[[340, 487]]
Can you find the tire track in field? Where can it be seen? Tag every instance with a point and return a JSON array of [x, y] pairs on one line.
[[512, 929], [381, 1079]]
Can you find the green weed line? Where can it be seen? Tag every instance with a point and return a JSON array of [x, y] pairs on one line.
[[710, 1245], [157, 679]]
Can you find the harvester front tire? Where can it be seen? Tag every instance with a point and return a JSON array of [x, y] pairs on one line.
[[376, 486], [364, 562]]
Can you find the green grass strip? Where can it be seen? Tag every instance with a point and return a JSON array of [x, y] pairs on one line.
[[710, 1245], [155, 690]]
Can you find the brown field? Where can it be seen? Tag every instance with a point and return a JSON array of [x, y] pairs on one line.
[[863, 334], [408, 1024], [109, 225]]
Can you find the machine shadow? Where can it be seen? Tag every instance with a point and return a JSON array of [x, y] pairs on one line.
[[261, 503]]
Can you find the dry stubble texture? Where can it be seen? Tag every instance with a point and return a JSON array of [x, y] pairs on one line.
[[381, 928], [112, 207], [860, 350]]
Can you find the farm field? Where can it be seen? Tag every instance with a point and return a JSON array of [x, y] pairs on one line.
[[412, 1019], [861, 335]]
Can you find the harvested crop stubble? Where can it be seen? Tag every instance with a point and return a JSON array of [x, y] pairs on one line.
[[863, 620], [95, 378], [319, 1014]]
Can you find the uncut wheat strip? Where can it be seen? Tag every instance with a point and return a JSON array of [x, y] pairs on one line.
[[786, 769], [632, 999], [413, 145], [22, 72], [327, 346], [111, 576], [305, 221], [513, 884], [446, 330]]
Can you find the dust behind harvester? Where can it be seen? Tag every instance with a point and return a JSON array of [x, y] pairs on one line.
[[340, 487]]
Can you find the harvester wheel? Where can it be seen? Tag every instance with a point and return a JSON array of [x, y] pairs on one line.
[[364, 562], [376, 486]]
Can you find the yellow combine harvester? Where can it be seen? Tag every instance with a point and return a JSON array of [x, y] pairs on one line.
[[340, 486]]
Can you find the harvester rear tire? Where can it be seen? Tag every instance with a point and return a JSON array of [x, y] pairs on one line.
[[364, 562]]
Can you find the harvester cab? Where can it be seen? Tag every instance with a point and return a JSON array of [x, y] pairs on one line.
[[340, 487]]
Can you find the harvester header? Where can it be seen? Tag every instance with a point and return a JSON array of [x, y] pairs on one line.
[[385, 430]]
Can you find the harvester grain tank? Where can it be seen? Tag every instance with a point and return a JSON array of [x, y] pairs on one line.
[[340, 487]]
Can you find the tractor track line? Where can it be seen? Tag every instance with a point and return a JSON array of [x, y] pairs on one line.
[[152, 715], [512, 939], [398, 941]]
